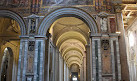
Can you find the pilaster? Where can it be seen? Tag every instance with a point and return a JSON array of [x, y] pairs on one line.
[[31, 58], [57, 66], [116, 65], [88, 78], [84, 67], [96, 57], [82, 71], [39, 59], [22, 55], [122, 48]]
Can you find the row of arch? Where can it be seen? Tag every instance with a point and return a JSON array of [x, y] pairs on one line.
[[52, 17], [48, 20]]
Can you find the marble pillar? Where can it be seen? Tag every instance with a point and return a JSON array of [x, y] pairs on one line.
[[82, 72], [60, 68], [39, 59], [57, 65], [65, 71], [31, 59], [116, 65], [84, 68], [88, 76], [96, 58], [53, 63], [22, 59], [122, 48], [68, 74]]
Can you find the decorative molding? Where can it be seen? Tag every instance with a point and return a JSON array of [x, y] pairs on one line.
[[103, 14], [105, 44], [118, 8], [64, 12], [31, 45], [95, 35], [32, 21]]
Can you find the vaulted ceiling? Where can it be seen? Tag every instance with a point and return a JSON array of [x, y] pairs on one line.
[[70, 35]]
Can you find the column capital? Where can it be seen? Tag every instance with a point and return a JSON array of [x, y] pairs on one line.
[[106, 34], [41, 36], [114, 34], [32, 37], [95, 35], [118, 8], [24, 36]]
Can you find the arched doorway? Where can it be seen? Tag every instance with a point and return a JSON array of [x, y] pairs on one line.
[[68, 33], [70, 36], [7, 65], [75, 73], [11, 27]]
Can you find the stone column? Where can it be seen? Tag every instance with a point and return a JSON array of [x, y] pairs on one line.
[[115, 57], [48, 74], [64, 71], [88, 78], [122, 48], [84, 68], [54, 60], [82, 72], [60, 68], [96, 58], [39, 59], [68, 74], [57, 65], [22, 57], [31, 58]]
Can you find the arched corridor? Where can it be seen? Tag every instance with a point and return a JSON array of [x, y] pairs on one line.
[[69, 35], [68, 40]]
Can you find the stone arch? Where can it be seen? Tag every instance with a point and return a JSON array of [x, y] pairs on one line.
[[15, 16], [67, 12]]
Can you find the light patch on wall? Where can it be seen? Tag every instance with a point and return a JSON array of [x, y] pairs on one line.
[[131, 39]]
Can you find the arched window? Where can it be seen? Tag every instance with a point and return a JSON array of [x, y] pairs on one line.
[[6, 65]]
